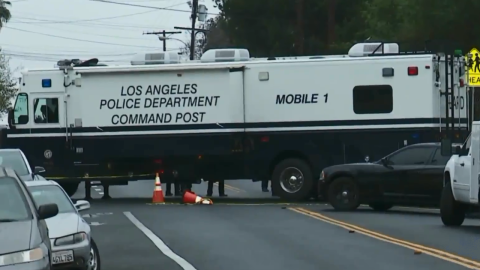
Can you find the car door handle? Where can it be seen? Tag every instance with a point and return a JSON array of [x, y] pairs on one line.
[[462, 164]]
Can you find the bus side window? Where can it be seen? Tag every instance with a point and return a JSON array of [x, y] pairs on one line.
[[20, 113], [46, 110]]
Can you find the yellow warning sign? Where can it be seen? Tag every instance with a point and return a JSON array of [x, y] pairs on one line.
[[474, 68]]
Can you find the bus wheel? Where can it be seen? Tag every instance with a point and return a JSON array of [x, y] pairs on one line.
[[292, 179]]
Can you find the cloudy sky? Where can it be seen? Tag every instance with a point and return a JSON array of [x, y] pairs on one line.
[[42, 32]]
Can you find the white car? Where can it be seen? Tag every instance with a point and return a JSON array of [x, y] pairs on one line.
[[70, 234], [15, 159]]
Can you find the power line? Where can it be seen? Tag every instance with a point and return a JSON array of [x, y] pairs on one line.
[[6, 51], [91, 34], [87, 24], [6, 46], [56, 56], [150, 7], [164, 33], [76, 39], [86, 20], [43, 21]]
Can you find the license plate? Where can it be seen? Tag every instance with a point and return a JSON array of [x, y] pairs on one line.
[[62, 257]]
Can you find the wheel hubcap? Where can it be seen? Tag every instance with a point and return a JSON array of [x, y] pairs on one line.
[[346, 194], [93, 259], [291, 180]]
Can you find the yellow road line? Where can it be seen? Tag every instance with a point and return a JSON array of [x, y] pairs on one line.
[[232, 188], [468, 263]]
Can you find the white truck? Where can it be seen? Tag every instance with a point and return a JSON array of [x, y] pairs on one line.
[[461, 191], [230, 116]]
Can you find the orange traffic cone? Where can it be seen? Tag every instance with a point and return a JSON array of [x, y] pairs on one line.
[[191, 197], [158, 192]]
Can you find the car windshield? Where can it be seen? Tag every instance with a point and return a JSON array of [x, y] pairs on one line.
[[13, 205], [14, 160], [52, 194]]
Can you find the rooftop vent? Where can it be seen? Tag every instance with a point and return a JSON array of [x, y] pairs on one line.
[[155, 58], [365, 49], [225, 55]]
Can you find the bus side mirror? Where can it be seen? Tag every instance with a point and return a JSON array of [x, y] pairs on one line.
[[446, 147]]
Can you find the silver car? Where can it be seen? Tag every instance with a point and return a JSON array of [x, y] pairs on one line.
[[70, 235], [17, 160]]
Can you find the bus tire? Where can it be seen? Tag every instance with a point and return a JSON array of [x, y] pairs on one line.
[[70, 188], [292, 179]]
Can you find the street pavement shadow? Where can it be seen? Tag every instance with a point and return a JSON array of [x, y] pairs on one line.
[[389, 212], [178, 200], [412, 212], [469, 229]]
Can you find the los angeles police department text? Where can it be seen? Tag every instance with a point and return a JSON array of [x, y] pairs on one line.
[[161, 97]]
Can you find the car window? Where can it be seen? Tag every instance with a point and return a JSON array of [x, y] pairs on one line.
[[13, 204], [14, 160], [52, 194], [411, 156], [438, 159]]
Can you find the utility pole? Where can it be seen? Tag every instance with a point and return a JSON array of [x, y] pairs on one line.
[[164, 33], [299, 43], [192, 29]]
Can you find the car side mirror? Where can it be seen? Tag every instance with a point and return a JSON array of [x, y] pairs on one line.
[[82, 205], [47, 210], [446, 147], [39, 170]]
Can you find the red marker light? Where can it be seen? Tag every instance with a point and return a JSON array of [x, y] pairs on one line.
[[412, 71], [265, 139], [462, 83]]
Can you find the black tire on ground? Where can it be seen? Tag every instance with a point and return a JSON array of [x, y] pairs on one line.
[[354, 196], [70, 188], [99, 261], [306, 171], [451, 211], [381, 207]]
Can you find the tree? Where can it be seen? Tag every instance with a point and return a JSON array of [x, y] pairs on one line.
[[271, 27], [8, 84], [5, 14]]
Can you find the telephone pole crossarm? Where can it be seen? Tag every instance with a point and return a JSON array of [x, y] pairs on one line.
[[164, 33]]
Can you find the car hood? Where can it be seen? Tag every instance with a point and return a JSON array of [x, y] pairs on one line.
[[27, 177], [62, 224], [354, 167], [15, 236]]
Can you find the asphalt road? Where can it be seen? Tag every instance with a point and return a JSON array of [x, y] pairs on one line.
[[218, 237], [240, 189]]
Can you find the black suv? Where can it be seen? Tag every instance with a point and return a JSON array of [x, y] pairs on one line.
[[23, 231]]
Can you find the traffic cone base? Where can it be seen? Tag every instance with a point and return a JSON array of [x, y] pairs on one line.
[[158, 192], [190, 197]]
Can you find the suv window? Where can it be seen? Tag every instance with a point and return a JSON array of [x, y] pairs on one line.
[[438, 159], [411, 156]]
